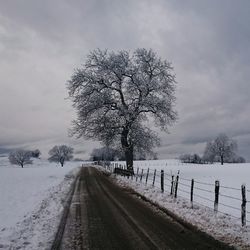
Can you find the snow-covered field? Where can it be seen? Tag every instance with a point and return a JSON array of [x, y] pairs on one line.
[[225, 225], [31, 200]]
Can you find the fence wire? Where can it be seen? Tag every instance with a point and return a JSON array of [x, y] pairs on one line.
[[185, 188]]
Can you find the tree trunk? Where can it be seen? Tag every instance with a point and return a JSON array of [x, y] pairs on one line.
[[222, 159], [128, 150], [129, 155]]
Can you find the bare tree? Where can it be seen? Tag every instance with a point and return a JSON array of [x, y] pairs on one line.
[[61, 154], [20, 157], [222, 147], [117, 94]]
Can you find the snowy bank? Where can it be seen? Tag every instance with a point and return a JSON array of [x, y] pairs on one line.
[[31, 202], [220, 226]]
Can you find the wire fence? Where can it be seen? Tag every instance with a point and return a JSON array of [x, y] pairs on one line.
[[231, 200]]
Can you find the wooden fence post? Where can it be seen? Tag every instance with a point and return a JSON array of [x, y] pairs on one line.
[[162, 180], [243, 205], [141, 174], [172, 186], [192, 192], [147, 176], [137, 172], [216, 200], [176, 185], [154, 177]]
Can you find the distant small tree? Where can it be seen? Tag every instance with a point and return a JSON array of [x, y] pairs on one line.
[[197, 159], [185, 158], [155, 156], [35, 153], [104, 154], [222, 147], [240, 159], [209, 153], [234, 158], [189, 158], [61, 154], [20, 157]]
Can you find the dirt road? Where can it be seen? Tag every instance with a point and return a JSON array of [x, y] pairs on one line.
[[103, 215]]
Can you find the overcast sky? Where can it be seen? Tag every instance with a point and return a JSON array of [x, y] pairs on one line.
[[208, 43]]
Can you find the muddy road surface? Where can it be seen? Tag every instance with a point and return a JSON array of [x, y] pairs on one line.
[[102, 215]]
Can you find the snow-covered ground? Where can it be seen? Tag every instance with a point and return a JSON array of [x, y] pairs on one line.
[[225, 225], [231, 177], [31, 201]]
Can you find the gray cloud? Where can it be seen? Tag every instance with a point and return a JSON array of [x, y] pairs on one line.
[[41, 42]]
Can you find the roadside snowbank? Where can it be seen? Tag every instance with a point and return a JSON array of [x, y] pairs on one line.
[[220, 226], [31, 203]]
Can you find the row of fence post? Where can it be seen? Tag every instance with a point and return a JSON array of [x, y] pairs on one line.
[[174, 189], [174, 183], [243, 204]]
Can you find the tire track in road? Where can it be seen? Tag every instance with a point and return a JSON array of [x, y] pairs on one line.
[[60, 232], [76, 226]]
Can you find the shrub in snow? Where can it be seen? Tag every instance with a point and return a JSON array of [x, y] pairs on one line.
[[35, 153], [105, 154], [20, 157], [188, 158], [61, 154]]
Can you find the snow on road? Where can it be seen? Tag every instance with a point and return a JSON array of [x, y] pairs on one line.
[[31, 200]]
